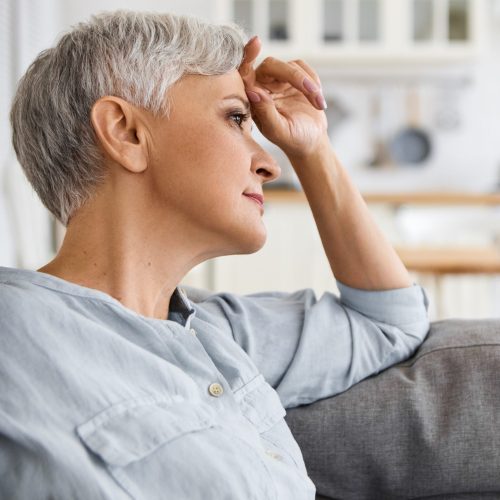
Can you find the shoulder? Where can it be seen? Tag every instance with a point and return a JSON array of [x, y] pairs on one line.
[[17, 299], [22, 298], [31, 318]]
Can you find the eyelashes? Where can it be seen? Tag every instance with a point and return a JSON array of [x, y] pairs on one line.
[[239, 117]]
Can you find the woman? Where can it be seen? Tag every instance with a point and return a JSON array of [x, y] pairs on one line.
[[135, 131]]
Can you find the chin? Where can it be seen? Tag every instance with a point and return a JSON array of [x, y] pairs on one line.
[[256, 247], [251, 241]]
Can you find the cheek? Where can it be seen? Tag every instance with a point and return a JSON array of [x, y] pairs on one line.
[[222, 157], [203, 163]]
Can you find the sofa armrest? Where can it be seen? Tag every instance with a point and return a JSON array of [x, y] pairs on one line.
[[426, 427]]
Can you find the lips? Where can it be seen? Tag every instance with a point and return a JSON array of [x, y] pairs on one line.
[[257, 197]]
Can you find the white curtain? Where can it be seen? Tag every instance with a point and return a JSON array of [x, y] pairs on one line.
[[26, 227], [7, 255]]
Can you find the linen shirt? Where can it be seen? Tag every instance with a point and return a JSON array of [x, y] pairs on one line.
[[100, 402]]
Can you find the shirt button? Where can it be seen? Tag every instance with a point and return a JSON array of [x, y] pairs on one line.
[[273, 455], [192, 331], [215, 389]]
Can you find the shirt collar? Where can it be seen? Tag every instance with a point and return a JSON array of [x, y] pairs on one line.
[[180, 309]]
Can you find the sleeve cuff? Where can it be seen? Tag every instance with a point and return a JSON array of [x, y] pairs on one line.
[[396, 306]]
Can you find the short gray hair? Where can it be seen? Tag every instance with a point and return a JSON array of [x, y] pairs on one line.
[[137, 56]]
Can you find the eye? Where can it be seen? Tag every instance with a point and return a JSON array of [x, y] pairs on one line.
[[239, 117]]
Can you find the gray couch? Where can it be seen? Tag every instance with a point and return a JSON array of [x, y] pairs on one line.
[[428, 427]]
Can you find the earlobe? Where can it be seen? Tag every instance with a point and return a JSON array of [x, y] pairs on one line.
[[117, 127]]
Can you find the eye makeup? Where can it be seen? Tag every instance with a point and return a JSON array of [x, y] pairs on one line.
[[238, 116]]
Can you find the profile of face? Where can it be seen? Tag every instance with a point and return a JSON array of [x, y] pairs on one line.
[[202, 158]]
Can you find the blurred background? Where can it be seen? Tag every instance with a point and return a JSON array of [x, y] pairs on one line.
[[413, 110]]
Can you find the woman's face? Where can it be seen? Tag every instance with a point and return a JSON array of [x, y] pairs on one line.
[[202, 159]]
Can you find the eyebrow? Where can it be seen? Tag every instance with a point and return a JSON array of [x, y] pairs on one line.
[[246, 104]]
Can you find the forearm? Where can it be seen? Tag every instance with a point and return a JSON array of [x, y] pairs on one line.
[[359, 254]]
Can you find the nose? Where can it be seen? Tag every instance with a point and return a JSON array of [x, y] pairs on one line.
[[264, 165]]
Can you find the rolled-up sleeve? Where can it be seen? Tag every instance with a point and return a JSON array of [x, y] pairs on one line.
[[309, 348]]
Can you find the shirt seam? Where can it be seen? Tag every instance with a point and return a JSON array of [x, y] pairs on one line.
[[100, 299], [65, 292]]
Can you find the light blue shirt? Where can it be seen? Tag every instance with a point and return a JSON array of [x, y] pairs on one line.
[[99, 402]]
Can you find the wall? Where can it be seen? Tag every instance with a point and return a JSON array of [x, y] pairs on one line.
[[27, 27], [74, 10]]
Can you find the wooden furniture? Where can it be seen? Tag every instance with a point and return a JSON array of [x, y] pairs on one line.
[[434, 261], [461, 260], [426, 259], [416, 198]]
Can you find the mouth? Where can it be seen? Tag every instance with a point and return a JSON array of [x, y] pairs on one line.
[[258, 198]]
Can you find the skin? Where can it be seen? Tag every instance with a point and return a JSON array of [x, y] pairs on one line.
[[174, 196]]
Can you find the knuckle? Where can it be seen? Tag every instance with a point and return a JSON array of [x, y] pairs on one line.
[[297, 74], [268, 60]]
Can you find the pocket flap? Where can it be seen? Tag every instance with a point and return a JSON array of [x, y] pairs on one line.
[[260, 403], [130, 430]]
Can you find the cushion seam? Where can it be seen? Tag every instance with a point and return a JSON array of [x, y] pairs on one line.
[[438, 349]]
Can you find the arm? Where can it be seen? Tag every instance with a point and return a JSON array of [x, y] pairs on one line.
[[287, 106], [359, 254], [321, 347], [311, 347]]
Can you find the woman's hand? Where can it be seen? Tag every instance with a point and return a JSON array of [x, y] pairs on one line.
[[286, 101]]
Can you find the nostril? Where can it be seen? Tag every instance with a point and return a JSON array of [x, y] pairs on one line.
[[264, 171]]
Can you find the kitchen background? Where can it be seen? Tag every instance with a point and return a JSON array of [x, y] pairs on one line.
[[414, 114]]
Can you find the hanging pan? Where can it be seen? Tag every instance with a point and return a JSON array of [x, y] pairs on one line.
[[412, 144]]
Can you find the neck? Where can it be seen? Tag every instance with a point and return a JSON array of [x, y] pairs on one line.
[[136, 262]]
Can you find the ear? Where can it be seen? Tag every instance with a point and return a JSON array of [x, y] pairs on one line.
[[120, 131]]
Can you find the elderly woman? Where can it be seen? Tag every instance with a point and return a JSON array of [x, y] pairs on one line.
[[136, 132]]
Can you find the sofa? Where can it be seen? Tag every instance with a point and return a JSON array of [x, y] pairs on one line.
[[428, 427]]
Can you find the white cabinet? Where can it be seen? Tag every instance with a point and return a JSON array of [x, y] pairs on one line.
[[363, 31]]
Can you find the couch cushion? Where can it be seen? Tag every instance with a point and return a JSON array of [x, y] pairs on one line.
[[427, 427]]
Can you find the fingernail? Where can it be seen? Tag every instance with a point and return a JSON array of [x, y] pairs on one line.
[[252, 39], [253, 96], [320, 101], [310, 86]]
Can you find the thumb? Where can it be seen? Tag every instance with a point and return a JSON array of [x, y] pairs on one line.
[[264, 112]]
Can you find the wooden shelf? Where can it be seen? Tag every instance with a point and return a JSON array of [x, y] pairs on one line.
[[445, 198], [435, 260], [461, 260], [417, 198]]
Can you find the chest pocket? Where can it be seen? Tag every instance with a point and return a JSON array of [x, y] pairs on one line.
[[261, 405], [129, 432]]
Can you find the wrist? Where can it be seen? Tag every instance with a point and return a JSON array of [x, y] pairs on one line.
[[322, 176], [311, 165], [313, 153]]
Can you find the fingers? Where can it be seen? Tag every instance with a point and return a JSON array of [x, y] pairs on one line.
[[297, 75], [320, 99], [314, 76], [251, 51], [264, 112]]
